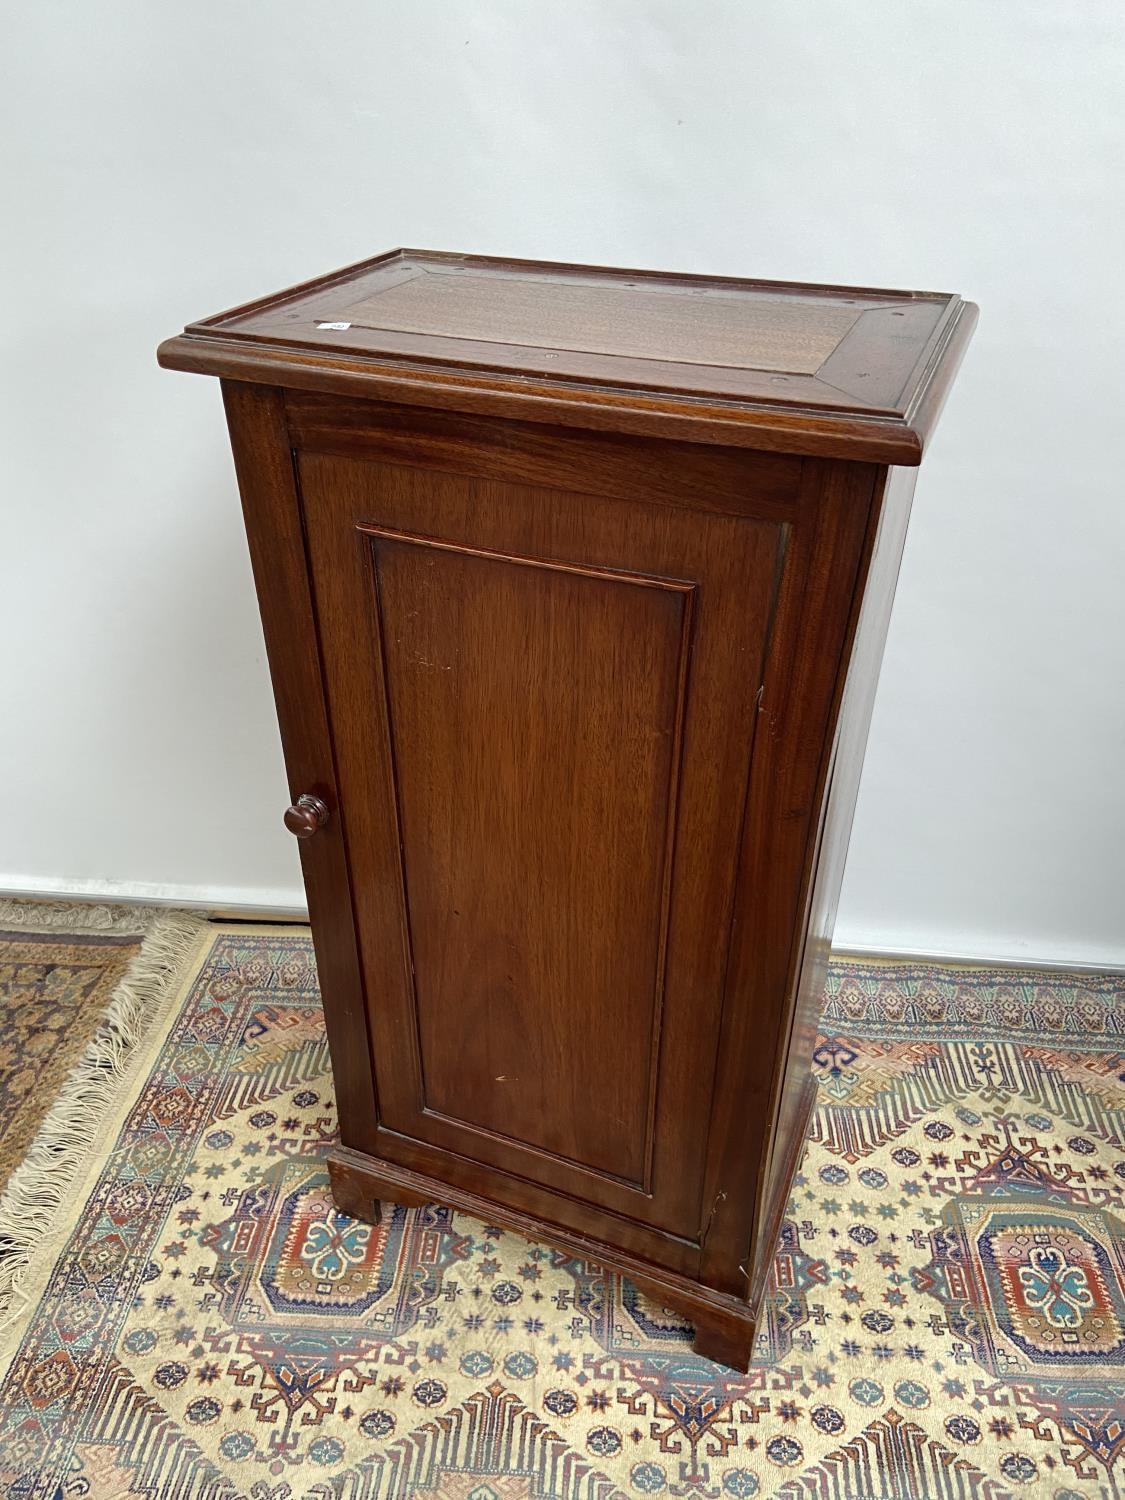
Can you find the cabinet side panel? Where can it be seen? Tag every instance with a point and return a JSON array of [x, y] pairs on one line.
[[794, 1074], [799, 703], [271, 507]]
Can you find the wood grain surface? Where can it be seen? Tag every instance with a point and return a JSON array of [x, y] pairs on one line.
[[575, 584], [844, 372]]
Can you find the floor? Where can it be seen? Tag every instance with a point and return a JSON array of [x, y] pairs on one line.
[[947, 1316]]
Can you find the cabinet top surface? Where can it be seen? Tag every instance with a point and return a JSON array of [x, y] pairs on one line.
[[840, 371]]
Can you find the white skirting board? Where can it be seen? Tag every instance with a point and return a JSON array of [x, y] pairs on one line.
[[284, 904]]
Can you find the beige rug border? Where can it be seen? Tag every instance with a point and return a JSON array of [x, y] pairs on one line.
[[39, 1195], [88, 918], [1059, 973], [194, 938]]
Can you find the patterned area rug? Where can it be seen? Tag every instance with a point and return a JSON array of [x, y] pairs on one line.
[[79, 985], [57, 979], [947, 1319]]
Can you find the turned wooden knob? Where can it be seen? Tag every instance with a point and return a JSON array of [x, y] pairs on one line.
[[305, 816]]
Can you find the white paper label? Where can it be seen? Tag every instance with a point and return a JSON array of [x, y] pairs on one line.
[[338, 327]]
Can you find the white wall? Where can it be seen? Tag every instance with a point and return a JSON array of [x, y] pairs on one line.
[[164, 161]]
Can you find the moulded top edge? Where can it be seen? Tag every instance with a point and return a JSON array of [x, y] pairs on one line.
[[766, 357]]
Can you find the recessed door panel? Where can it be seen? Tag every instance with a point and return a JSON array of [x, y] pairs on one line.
[[535, 712]]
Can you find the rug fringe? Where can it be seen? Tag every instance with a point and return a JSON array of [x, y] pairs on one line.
[[31, 1207], [75, 916]]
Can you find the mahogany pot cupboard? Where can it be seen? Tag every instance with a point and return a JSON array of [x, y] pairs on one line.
[[575, 584]]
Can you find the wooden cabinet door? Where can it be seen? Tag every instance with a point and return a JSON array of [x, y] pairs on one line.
[[542, 707]]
